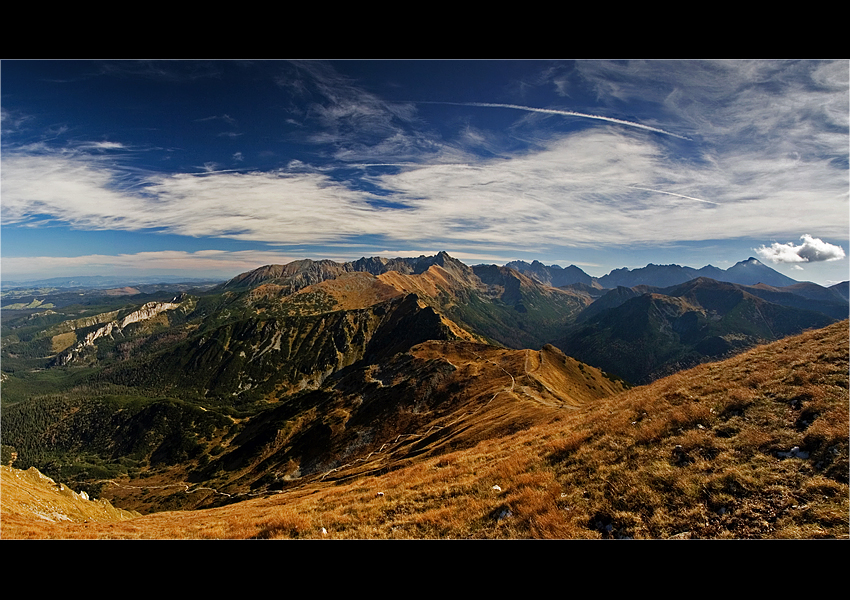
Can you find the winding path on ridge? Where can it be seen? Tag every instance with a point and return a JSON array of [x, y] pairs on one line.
[[395, 444], [532, 363]]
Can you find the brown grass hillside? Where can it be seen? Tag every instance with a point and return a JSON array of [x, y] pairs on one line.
[[752, 447], [440, 397], [31, 503]]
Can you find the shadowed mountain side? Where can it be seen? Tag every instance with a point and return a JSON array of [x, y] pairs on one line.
[[655, 334], [612, 299], [842, 289], [592, 292], [807, 296], [439, 397], [499, 303], [652, 275]]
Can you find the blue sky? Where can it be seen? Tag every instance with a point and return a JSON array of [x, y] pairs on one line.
[[213, 168]]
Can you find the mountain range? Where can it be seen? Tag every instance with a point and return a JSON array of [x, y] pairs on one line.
[[323, 371], [747, 272]]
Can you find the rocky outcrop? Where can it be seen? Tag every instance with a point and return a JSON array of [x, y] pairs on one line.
[[35, 496], [115, 326], [270, 356]]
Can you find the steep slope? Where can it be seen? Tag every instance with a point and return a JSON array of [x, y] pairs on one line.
[[654, 334], [755, 446], [159, 454], [498, 303], [32, 502], [440, 396], [752, 447], [611, 299], [262, 357]]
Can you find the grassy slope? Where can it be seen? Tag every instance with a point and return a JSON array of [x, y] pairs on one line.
[[442, 396], [702, 453], [32, 502]]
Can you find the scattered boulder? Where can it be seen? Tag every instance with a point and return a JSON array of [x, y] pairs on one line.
[[794, 452], [680, 457]]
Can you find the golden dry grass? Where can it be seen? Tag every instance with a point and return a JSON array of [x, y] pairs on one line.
[[31, 505], [702, 454]]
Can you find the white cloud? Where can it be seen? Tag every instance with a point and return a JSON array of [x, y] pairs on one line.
[[271, 207], [102, 145], [811, 250], [590, 188]]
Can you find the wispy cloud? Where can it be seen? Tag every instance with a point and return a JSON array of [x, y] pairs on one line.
[[102, 145], [811, 250], [778, 107], [357, 124], [566, 113], [273, 207], [225, 117], [590, 188]]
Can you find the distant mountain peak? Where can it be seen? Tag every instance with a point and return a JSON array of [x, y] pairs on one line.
[[746, 272], [555, 276]]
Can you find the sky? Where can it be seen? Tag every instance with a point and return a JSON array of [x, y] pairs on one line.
[[213, 168]]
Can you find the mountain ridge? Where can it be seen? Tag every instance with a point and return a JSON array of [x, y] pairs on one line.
[[313, 346], [751, 447], [642, 333]]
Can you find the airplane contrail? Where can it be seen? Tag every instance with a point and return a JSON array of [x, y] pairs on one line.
[[634, 187], [567, 113]]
